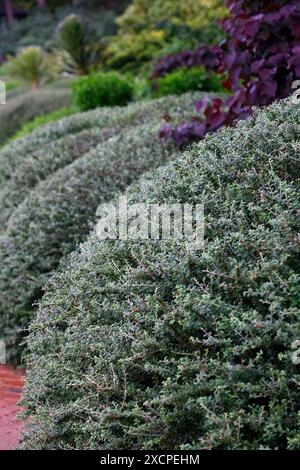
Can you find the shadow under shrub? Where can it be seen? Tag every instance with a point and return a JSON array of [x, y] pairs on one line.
[[144, 345]]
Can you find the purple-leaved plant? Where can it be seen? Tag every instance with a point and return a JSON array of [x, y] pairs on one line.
[[262, 59]]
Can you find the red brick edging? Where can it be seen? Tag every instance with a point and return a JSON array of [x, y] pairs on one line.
[[11, 384]]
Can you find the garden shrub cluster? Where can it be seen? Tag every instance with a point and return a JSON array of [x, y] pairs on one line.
[[145, 345], [27, 106], [184, 80], [102, 89], [58, 213]]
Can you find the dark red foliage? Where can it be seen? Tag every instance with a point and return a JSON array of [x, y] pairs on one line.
[[262, 58]]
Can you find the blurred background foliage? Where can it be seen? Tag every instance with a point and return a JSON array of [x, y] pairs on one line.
[[130, 35], [47, 43], [151, 29], [78, 51], [32, 67], [32, 24]]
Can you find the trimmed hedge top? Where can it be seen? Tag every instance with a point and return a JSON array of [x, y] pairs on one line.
[[144, 345], [102, 89]]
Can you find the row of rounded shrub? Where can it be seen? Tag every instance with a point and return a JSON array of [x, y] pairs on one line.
[[57, 213], [33, 159], [16, 152], [111, 89], [145, 345], [42, 120]]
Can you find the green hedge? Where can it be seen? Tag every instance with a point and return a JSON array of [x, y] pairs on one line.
[[27, 106], [58, 214], [39, 121], [148, 346]]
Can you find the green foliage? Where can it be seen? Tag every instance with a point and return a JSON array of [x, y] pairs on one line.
[[16, 152], [145, 345], [11, 85], [28, 105], [58, 211], [31, 66], [150, 29], [77, 53], [14, 92], [142, 89], [133, 53], [184, 80], [195, 14], [102, 89]]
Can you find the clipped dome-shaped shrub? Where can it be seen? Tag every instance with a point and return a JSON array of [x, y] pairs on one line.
[[16, 152], [145, 345], [59, 213]]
